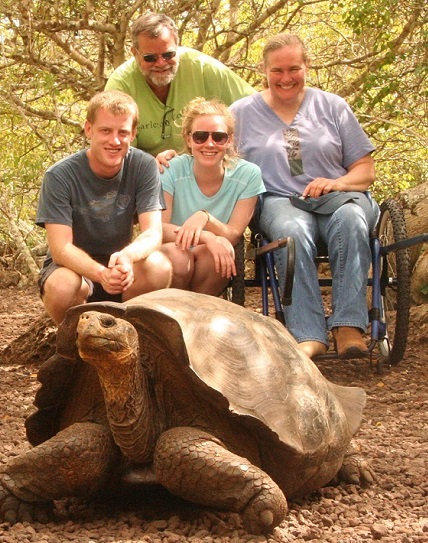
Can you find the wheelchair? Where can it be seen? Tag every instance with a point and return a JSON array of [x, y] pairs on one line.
[[388, 292]]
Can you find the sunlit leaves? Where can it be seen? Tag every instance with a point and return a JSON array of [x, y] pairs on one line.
[[56, 54]]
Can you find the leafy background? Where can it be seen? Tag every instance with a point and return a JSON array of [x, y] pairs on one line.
[[55, 54]]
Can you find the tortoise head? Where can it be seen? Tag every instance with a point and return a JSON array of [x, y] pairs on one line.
[[103, 338], [67, 330]]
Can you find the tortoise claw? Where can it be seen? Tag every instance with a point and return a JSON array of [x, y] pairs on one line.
[[13, 510], [355, 469], [265, 511]]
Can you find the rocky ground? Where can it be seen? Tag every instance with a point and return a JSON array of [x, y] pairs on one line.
[[393, 436]]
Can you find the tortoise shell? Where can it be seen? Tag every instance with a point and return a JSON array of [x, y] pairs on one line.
[[208, 357]]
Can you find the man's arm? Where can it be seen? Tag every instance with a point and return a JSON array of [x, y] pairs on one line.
[[148, 241], [65, 253], [118, 276]]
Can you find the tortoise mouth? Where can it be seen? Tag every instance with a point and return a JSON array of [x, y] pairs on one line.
[[89, 343]]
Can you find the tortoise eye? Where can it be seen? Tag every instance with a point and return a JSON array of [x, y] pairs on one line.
[[107, 321]]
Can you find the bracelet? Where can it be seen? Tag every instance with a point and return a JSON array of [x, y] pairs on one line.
[[207, 214]]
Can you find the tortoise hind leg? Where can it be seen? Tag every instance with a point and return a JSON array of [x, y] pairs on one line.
[[75, 462], [194, 465], [355, 469]]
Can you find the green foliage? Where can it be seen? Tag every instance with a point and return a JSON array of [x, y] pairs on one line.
[[56, 55], [363, 16]]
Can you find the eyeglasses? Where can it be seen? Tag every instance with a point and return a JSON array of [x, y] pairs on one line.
[[201, 136], [168, 55]]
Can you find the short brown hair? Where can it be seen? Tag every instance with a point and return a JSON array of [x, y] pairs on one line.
[[199, 107], [115, 101], [283, 40], [151, 25]]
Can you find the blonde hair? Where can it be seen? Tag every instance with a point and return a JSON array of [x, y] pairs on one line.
[[114, 101], [199, 107]]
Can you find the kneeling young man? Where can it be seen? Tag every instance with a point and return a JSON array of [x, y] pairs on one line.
[[88, 205]]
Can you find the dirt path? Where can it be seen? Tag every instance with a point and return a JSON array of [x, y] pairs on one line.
[[394, 436]]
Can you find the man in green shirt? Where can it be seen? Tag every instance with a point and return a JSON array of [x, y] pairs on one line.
[[163, 77]]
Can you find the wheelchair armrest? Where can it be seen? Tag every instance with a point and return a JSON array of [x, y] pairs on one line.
[[265, 248], [253, 252]]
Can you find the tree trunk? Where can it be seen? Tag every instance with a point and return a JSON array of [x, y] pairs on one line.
[[419, 281], [10, 215], [24, 251], [415, 205], [34, 346]]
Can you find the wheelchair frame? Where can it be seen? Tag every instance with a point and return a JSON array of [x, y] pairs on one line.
[[388, 282]]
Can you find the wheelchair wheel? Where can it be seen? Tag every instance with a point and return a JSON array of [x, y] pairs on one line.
[[395, 283]]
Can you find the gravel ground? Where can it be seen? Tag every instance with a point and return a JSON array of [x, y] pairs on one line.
[[393, 437]]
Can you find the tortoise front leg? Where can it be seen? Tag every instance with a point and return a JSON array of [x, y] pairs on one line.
[[196, 466], [75, 462]]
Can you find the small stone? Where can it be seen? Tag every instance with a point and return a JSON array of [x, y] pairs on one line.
[[378, 530]]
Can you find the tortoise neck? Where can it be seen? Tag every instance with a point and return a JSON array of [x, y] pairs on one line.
[[130, 412]]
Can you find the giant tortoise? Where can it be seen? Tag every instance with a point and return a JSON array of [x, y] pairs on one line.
[[210, 400]]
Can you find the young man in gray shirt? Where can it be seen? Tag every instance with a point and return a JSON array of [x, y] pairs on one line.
[[88, 205]]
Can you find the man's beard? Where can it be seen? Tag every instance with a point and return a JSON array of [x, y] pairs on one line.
[[160, 79]]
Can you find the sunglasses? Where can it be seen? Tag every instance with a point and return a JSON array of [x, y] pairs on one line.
[[201, 136], [153, 57]]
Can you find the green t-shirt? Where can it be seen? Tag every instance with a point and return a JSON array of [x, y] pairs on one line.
[[197, 75]]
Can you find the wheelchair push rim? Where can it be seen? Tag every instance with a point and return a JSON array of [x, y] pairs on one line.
[[394, 284]]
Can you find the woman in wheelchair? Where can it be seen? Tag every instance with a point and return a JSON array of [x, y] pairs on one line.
[[317, 166], [210, 195]]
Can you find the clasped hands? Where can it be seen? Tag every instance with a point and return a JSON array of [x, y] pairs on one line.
[[189, 235], [118, 276]]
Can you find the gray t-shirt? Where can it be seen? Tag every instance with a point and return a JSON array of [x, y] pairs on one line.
[[101, 212], [323, 140]]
